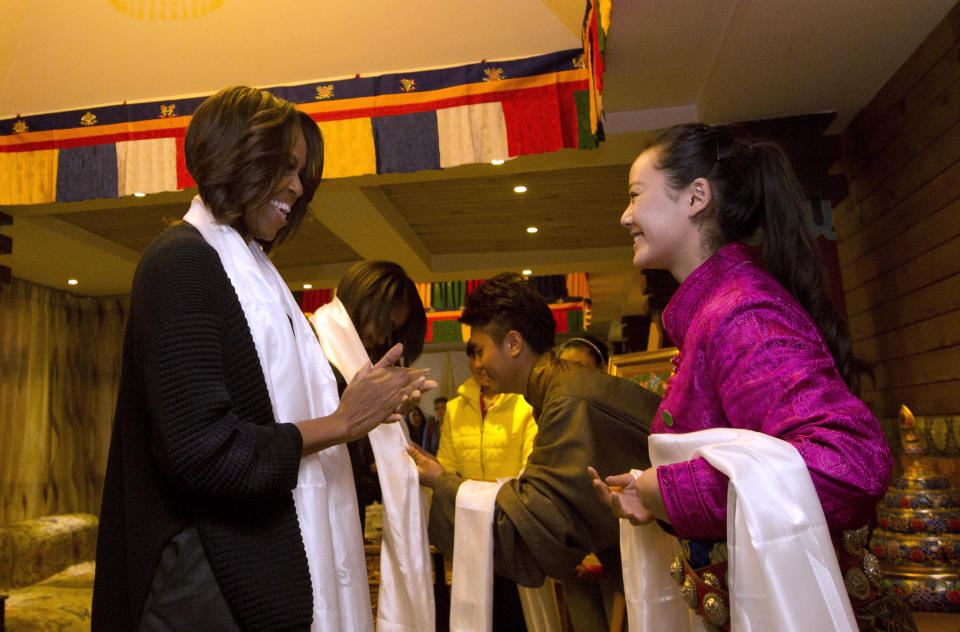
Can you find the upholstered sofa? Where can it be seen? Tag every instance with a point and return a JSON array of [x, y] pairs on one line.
[[46, 572]]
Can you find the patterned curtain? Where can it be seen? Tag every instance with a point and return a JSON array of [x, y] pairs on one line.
[[59, 375]]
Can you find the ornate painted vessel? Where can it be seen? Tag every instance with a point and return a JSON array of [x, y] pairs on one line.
[[918, 539]]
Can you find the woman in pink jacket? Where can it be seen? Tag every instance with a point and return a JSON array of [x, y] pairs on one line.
[[761, 349]]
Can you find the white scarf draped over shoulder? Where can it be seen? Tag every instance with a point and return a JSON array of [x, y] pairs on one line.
[[301, 386], [783, 572], [405, 602]]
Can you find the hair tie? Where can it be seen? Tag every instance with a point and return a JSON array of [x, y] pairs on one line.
[[586, 342]]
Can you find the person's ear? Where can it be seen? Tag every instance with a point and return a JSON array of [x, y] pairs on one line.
[[513, 343], [699, 194]]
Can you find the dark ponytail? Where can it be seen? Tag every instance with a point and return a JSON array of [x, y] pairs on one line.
[[755, 194]]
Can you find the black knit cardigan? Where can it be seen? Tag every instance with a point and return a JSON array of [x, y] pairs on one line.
[[195, 443]]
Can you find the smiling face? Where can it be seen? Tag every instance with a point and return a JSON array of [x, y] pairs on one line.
[[264, 222], [491, 362], [660, 219]]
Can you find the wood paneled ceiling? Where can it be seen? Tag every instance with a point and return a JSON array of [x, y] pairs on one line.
[[485, 214]]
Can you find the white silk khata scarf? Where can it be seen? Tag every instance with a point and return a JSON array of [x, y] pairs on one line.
[[405, 601], [301, 386], [783, 573], [471, 596]]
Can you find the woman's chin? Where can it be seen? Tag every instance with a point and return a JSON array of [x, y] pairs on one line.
[[640, 259]]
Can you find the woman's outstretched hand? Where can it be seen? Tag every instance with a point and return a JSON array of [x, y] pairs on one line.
[[380, 393], [428, 467], [626, 495], [377, 394]]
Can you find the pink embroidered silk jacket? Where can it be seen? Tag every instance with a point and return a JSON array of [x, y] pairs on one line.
[[751, 357]]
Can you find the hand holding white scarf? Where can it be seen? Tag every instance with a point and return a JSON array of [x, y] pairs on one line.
[[783, 572], [405, 602]]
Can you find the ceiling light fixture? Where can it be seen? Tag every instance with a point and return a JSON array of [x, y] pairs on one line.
[[72, 281], [526, 272], [497, 161], [307, 286], [519, 189], [139, 194], [166, 9], [532, 229]]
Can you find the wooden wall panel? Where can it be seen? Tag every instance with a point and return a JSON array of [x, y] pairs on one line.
[[926, 114], [899, 231], [939, 397], [926, 335], [926, 165], [917, 306], [881, 114], [863, 236], [929, 268], [909, 243]]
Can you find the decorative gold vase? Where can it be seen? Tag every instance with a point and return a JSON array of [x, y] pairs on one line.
[[918, 539]]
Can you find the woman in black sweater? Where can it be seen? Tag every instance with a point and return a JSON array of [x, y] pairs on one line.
[[227, 409]]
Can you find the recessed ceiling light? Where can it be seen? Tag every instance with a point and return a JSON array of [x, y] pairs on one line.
[[139, 194], [532, 229], [72, 281], [519, 189], [307, 286], [526, 272], [497, 161]]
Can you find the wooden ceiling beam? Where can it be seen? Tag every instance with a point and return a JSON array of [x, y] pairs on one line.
[[371, 226]]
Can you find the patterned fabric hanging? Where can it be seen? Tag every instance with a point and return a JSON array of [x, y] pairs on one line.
[[577, 286], [391, 123], [312, 300], [423, 289]]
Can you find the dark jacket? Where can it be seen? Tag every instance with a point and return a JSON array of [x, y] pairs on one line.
[[549, 518], [195, 443]]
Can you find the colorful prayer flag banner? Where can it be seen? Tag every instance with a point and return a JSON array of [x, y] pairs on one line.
[[569, 297], [445, 326], [394, 123]]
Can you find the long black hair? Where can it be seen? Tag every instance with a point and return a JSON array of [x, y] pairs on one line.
[[369, 290], [755, 194]]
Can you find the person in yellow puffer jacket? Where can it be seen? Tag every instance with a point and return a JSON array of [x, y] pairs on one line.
[[485, 436]]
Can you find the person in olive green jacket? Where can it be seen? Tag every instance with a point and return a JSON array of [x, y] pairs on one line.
[[548, 518]]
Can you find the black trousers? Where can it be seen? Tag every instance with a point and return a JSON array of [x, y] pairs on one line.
[[507, 609], [184, 594]]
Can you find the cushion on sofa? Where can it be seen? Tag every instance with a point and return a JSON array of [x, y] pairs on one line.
[[60, 602], [46, 569], [33, 550]]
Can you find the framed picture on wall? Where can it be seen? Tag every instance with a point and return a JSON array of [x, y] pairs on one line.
[[649, 369]]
